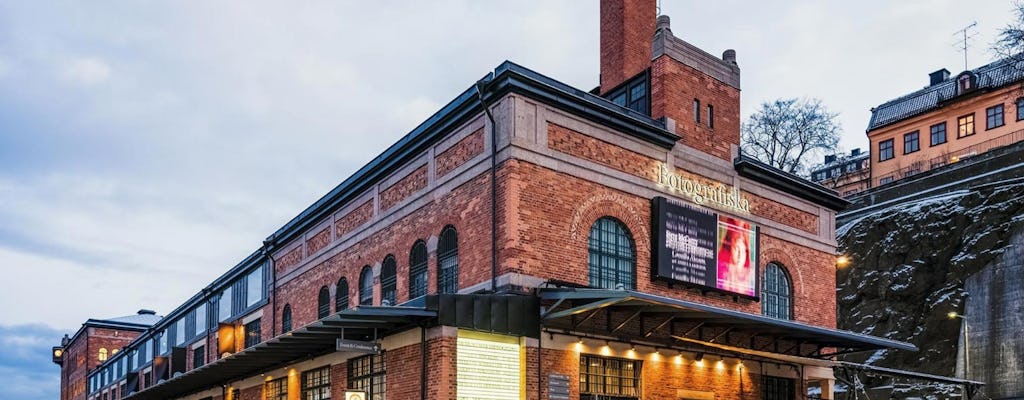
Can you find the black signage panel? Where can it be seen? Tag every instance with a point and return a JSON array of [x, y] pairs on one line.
[[701, 247]]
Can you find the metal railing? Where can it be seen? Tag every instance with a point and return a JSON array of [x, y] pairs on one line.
[[953, 157]]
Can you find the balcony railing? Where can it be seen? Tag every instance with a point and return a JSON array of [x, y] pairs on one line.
[[952, 157]]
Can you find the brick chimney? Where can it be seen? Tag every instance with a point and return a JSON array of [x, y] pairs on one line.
[[627, 28]]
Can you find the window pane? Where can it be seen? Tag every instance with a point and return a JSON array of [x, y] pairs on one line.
[[225, 304], [611, 258], [254, 285]]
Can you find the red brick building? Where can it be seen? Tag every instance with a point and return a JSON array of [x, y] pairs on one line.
[[95, 342], [532, 240]]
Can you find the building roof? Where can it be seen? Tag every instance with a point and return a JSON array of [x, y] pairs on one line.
[[136, 319], [991, 76]]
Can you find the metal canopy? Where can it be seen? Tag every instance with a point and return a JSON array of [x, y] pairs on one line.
[[361, 323], [642, 317]]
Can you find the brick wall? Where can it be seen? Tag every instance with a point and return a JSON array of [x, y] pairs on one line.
[[412, 183], [318, 241], [354, 219], [674, 86], [627, 27]]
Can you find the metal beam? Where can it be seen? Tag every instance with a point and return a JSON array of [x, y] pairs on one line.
[[661, 325], [626, 321], [584, 308]]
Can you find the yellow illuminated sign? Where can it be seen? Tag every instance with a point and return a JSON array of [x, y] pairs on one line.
[[489, 367]]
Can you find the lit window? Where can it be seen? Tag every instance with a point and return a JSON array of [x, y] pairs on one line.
[[389, 281], [776, 293], [323, 303], [102, 355], [366, 286], [418, 270], [316, 384], [252, 333], [994, 117], [448, 261], [965, 125], [612, 255], [938, 134], [885, 150], [341, 295], [286, 319], [911, 142], [609, 378], [367, 374], [276, 389]]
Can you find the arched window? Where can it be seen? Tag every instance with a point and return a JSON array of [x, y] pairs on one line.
[[341, 295], [102, 356], [323, 303], [776, 293], [388, 281], [612, 255], [366, 286], [418, 270], [448, 261], [286, 319]]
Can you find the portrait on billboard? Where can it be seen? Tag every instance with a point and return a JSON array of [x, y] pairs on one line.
[[736, 256]]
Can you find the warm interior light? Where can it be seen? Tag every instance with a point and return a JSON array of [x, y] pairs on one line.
[[952, 315], [842, 261], [679, 359]]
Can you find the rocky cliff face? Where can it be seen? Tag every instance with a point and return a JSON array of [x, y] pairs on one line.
[[909, 266]]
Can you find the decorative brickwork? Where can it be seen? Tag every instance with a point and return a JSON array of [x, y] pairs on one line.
[[290, 259], [467, 148], [354, 219], [577, 144], [414, 182], [318, 241]]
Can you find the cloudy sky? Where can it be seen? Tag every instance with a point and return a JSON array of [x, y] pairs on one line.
[[148, 146]]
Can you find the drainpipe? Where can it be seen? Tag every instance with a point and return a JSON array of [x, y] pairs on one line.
[[481, 85], [423, 361], [273, 285]]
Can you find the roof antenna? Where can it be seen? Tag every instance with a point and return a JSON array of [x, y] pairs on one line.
[[964, 38]]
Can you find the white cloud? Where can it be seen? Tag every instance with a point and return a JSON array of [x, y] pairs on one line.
[[85, 71]]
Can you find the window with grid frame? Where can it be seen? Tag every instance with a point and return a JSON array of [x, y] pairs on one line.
[[323, 303], [252, 333], [1020, 108], [448, 261], [609, 378], [286, 318], [316, 384], [965, 126], [389, 280], [911, 142], [366, 286], [885, 150], [276, 389], [994, 117], [418, 270], [776, 293], [368, 374], [198, 357], [777, 388], [938, 134], [612, 255], [341, 295]]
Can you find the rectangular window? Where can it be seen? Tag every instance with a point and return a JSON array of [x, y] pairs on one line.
[[252, 333], [1020, 108], [224, 304], [911, 142], [965, 126], [994, 117], [198, 356], [179, 331], [938, 134], [885, 151], [190, 326], [696, 111], [367, 374], [254, 287], [604, 377], [638, 96], [711, 116], [885, 179], [163, 348], [276, 389], [200, 314], [316, 384], [776, 388]]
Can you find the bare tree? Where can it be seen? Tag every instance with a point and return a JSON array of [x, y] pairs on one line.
[[1010, 41], [789, 133]]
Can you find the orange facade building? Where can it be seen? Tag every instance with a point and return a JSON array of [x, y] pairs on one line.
[[950, 120]]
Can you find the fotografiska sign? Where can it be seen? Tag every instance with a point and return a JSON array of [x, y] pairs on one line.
[[720, 195]]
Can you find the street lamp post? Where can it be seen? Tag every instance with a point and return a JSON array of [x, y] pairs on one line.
[[967, 347]]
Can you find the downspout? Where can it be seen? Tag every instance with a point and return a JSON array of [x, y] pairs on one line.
[[480, 86], [423, 361]]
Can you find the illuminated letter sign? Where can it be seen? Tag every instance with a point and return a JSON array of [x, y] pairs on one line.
[[701, 247], [718, 195]]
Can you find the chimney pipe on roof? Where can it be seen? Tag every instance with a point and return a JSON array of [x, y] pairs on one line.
[[627, 30], [938, 77]]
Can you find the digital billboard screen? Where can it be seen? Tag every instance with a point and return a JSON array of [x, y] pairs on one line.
[[702, 247]]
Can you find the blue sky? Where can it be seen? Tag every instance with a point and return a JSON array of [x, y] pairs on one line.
[[146, 147]]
